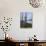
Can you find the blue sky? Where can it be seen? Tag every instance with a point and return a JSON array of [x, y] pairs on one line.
[[28, 14]]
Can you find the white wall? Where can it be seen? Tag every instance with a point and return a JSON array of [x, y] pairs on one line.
[[12, 8]]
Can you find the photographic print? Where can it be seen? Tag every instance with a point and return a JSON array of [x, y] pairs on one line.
[[26, 19]]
